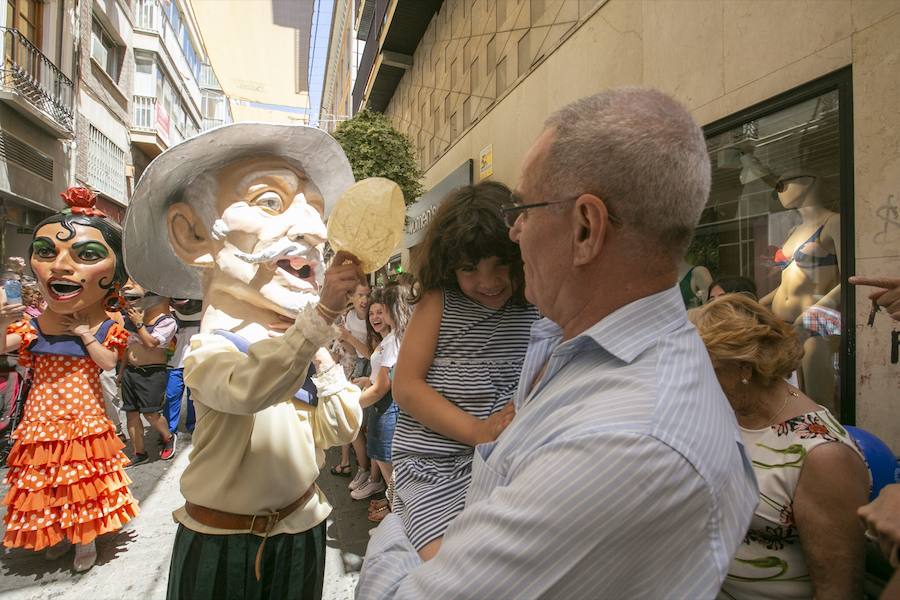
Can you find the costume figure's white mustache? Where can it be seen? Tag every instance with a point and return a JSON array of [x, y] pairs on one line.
[[279, 250]]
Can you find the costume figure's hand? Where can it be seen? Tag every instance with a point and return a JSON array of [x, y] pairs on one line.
[[76, 324], [135, 314], [490, 429], [881, 518], [10, 313], [341, 279], [279, 327], [888, 296], [323, 360]]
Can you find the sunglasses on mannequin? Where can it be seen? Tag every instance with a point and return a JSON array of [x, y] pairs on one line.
[[781, 184]]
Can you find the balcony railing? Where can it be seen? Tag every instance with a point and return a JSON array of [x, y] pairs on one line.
[[32, 75], [144, 113], [211, 123]]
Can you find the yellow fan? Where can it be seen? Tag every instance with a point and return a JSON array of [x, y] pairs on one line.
[[367, 221]]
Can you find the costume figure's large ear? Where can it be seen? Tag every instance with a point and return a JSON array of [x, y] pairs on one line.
[[190, 240]]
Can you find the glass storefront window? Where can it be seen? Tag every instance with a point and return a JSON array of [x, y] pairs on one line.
[[772, 227]]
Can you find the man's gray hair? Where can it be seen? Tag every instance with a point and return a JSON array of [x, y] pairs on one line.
[[641, 152]]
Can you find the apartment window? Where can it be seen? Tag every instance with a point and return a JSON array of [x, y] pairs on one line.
[[25, 16], [473, 77], [501, 77], [524, 58], [490, 59], [104, 50], [106, 165], [143, 65], [467, 112]]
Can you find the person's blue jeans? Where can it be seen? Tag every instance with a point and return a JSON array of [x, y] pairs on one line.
[[174, 391]]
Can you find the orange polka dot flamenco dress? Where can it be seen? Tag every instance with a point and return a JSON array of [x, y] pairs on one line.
[[66, 472]]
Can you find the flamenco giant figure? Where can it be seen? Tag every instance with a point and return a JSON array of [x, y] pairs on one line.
[[66, 478]]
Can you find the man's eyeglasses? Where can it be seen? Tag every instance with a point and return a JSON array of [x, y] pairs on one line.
[[781, 184], [513, 209]]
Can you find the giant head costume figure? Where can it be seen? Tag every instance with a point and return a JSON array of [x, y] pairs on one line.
[[76, 257], [236, 216]]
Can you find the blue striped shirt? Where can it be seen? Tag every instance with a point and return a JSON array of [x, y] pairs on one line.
[[622, 476]]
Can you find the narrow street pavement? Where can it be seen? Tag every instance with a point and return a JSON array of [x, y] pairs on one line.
[[134, 562]]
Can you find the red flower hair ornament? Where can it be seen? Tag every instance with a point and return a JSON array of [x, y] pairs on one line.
[[81, 201]]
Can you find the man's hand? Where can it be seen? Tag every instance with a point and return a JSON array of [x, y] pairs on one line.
[[888, 296], [341, 279], [490, 429], [10, 313], [881, 517], [76, 324]]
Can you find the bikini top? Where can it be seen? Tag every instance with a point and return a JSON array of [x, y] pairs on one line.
[[306, 394], [804, 260], [65, 344]]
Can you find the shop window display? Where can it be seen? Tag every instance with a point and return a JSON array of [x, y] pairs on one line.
[[774, 217]]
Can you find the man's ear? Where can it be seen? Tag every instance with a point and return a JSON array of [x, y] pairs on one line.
[[190, 240], [590, 221]]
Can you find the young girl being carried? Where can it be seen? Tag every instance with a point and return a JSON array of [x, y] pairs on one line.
[[461, 358]]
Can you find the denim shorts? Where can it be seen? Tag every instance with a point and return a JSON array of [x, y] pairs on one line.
[[380, 434]]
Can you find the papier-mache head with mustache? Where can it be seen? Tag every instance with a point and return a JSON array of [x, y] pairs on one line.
[[242, 209]]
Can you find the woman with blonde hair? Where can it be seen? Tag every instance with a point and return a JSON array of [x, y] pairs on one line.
[[804, 540]]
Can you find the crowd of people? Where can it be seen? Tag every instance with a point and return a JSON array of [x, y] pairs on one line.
[[533, 411]]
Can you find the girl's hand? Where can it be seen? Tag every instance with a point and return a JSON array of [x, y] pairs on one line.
[[490, 429], [76, 324], [10, 313]]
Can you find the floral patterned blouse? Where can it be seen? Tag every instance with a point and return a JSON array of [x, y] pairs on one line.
[[770, 562]]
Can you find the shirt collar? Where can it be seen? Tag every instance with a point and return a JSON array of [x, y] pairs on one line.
[[633, 328]]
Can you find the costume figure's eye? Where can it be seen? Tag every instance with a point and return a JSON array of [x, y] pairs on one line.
[[468, 268], [92, 252], [270, 202], [43, 248]]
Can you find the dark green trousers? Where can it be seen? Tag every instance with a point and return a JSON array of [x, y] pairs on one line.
[[220, 567]]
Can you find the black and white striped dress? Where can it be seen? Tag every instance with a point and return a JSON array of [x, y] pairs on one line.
[[476, 366]]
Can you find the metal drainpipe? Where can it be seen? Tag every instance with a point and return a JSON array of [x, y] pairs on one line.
[[72, 146]]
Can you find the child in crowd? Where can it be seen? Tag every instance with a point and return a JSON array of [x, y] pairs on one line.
[[145, 375], [388, 315], [355, 352], [460, 363]]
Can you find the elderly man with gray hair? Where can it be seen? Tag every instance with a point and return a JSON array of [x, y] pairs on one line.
[[622, 474]]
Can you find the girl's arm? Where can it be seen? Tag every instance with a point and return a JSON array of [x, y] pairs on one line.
[[381, 385], [415, 396], [348, 339]]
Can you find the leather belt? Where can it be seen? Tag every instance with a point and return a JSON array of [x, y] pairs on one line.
[[261, 524]]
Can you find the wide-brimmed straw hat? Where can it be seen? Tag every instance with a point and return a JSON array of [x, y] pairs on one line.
[[149, 257]]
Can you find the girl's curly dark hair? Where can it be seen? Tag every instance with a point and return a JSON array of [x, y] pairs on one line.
[[467, 227]]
